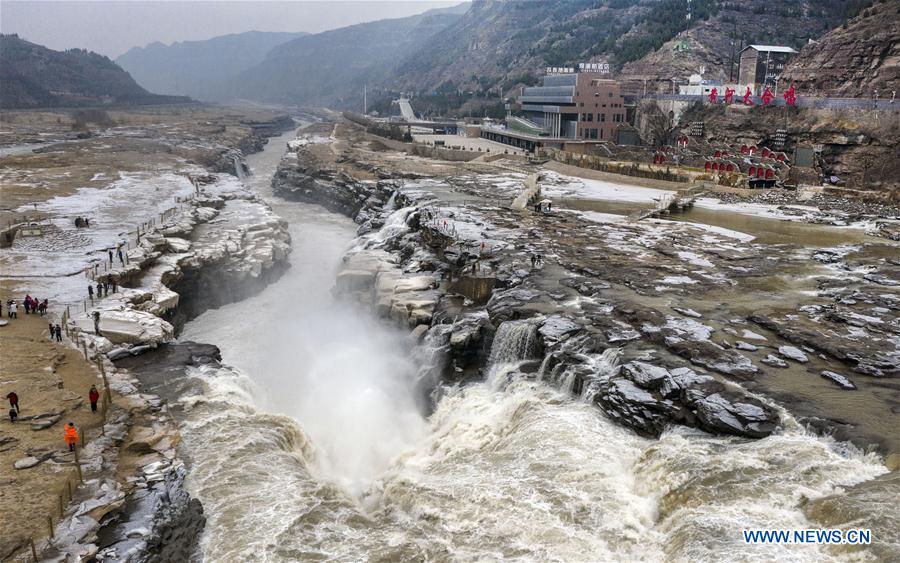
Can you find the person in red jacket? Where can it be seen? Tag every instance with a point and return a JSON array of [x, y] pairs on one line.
[[13, 400], [94, 396]]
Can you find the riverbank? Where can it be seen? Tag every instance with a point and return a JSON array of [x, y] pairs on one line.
[[216, 235]]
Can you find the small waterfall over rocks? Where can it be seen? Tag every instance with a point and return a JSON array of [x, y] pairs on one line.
[[514, 341], [240, 169]]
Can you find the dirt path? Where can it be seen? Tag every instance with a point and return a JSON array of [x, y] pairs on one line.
[[48, 377]]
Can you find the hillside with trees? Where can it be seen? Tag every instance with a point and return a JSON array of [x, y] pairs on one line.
[[33, 76]]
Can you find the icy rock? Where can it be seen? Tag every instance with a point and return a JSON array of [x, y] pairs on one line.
[[838, 380], [556, 327], [774, 361], [26, 462], [177, 245], [741, 345], [43, 423], [687, 312], [415, 283], [793, 353], [118, 353]]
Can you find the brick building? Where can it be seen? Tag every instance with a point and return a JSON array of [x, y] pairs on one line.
[[585, 104]]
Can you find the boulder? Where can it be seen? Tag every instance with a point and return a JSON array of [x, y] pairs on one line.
[[793, 353], [26, 462], [43, 423], [556, 328], [838, 379], [774, 361]]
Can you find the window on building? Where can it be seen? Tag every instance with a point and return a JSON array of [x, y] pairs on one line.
[[610, 94], [593, 133], [601, 133], [602, 117], [590, 116]]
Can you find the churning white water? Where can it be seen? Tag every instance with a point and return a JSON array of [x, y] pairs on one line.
[[350, 469]]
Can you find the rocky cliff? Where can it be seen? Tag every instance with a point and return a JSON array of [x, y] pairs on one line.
[[859, 146], [713, 43], [855, 59]]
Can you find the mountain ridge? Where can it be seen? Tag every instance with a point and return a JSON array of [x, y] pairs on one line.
[[33, 76], [203, 69]]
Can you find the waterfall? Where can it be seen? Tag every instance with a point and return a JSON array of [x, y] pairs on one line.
[[394, 225], [604, 366], [431, 356], [514, 341], [392, 201], [239, 169]]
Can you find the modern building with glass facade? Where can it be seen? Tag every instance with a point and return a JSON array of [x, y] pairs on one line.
[[579, 105]]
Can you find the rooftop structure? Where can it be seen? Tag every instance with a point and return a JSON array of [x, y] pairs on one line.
[[762, 65]]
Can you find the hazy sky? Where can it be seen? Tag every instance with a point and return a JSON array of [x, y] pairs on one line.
[[113, 27]]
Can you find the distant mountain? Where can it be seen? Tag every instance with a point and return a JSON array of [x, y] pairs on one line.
[[201, 69], [33, 76], [330, 68], [854, 59]]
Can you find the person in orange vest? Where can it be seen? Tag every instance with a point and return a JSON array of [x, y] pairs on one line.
[[94, 396], [71, 436]]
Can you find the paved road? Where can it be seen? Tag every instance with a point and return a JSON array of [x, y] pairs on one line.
[[802, 101]]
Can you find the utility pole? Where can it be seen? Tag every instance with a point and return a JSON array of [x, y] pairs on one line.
[[731, 62], [365, 100]]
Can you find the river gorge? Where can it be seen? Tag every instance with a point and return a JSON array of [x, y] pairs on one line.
[[338, 350], [314, 437]]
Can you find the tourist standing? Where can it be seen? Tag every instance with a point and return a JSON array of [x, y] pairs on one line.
[[94, 396], [13, 415], [71, 436], [58, 331], [52, 331], [13, 400], [97, 323], [13, 310], [99, 289], [91, 291], [27, 304]]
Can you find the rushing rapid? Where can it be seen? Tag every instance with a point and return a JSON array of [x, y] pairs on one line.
[[313, 445]]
